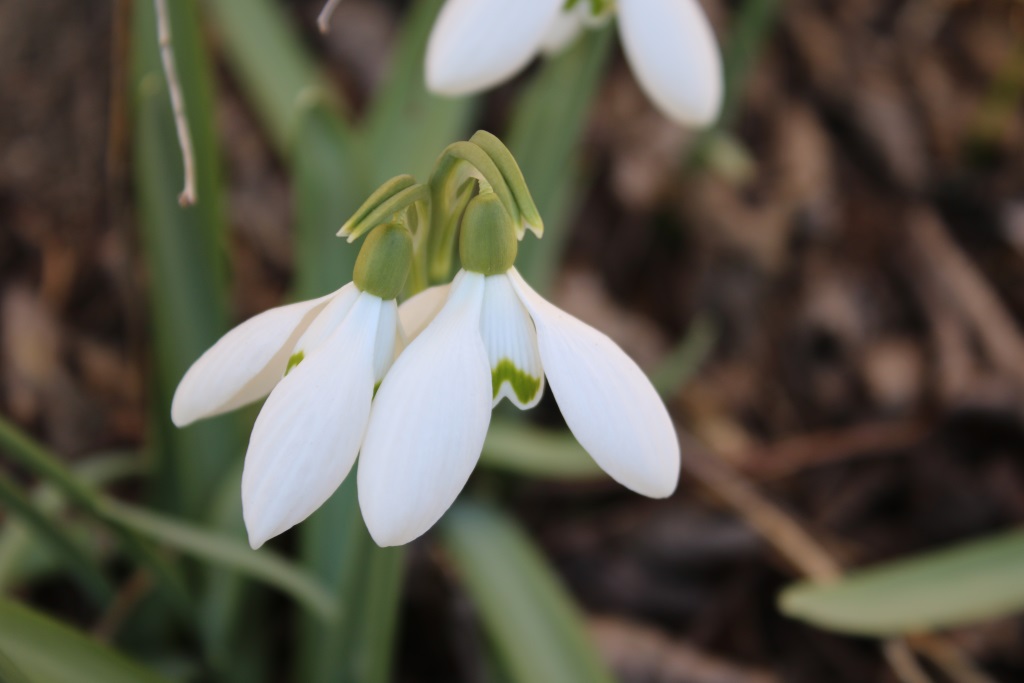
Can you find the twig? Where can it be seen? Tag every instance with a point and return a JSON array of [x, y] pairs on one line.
[[163, 29], [951, 659], [787, 536], [903, 662], [131, 593], [323, 21]]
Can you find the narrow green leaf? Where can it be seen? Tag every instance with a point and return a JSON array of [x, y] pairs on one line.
[[751, 28], [518, 447], [545, 136], [46, 465], [535, 627], [224, 551], [184, 251], [9, 672], [268, 56], [22, 556], [969, 582], [328, 186], [408, 127], [82, 565], [687, 357], [51, 652]]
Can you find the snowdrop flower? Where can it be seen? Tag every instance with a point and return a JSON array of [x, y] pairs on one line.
[[320, 361], [477, 44], [486, 337]]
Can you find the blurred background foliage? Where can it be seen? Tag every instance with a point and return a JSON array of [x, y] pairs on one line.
[[827, 286]]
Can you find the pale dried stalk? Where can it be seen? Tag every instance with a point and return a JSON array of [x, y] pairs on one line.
[[787, 536], [163, 29], [323, 21]]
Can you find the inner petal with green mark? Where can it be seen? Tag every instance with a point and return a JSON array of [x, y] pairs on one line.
[[511, 342]]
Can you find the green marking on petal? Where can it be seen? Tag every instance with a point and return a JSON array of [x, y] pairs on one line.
[[525, 386], [294, 361], [375, 388]]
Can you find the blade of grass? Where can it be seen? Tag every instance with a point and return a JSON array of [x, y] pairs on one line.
[[329, 185], [752, 26], [9, 672], [545, 135], [45, 465], [22, 557], [82, 565], [534, 625], [52, 652], [516, 446], [268, 57], [184, 254], [408, 127], [965, 583], [223, 551]]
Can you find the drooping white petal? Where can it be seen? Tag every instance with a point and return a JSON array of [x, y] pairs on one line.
[[245, 364], [477, 44], [308, 433], [428, 422], [416, 312], [565, 28], [672, 48], [608, 403], [511, 343], [387, 336], [327, 321]]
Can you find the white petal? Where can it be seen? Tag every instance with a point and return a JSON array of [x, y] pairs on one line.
[[387, 334], [672, 49], [428, 422], [476, 44], [511, 343], [245, 364], [416, 312], [327, 321], [566, 27], [309, 431], [608, 403]]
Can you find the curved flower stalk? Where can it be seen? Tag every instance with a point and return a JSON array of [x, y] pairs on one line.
[[319, 361], [670, 45], [487, 337]]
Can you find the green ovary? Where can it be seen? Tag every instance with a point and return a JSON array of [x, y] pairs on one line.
[[294, 361], [524, 385]]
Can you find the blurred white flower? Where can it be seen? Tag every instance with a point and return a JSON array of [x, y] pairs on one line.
[[319, 360], [480, 339], [477, 44]]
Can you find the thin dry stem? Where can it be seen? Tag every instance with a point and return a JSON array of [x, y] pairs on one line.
[[163, 28], [903, 662], [787, 536], [323, 21]]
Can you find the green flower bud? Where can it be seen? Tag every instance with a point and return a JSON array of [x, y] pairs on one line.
[[488, 242], [384, 261]]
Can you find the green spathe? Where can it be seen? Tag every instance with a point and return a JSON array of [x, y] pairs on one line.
[[384, 261], [488, 242], [526, 386]]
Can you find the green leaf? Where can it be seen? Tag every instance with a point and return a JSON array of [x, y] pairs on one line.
[[328, 185], [407, 126], [32, 455], [537, 630], [687, 357], [184, 252], [545, 136], [973, 581], [51, 652], [84, 566], [9, 672], [224, 551], [270, 60], [516, 446]]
